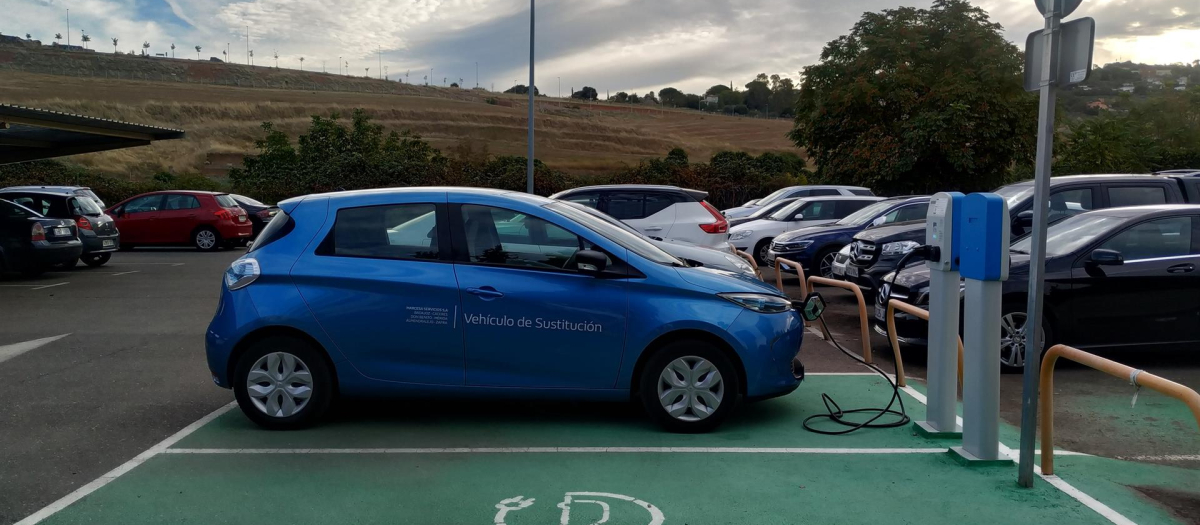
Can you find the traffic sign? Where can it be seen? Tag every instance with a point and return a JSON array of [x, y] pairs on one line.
[[1072, 59], [1065, 7]]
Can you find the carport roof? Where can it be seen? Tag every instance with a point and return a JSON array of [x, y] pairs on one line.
[[32, 134]]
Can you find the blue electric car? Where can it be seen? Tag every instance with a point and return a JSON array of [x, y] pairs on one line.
[[486, 293]]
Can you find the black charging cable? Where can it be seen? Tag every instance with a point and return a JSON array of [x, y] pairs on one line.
[[834, 412]]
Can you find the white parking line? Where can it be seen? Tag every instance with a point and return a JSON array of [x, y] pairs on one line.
[[95, 272], [101, 481], [147, 263], [125, 273], [10, 351], [559, 450], [34, 286]]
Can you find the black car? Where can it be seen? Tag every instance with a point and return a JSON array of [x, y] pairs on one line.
[[260, 214], [763, 211], [816, 247], [31, 243], [1114, 277], [96, 229], [875, 252]]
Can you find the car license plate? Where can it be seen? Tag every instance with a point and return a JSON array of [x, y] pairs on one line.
[[108, 244], [880, 313], [62, 232], [241, 218], [839, 269], [851, 271]]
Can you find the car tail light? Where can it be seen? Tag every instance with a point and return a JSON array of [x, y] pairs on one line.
[[721, 226], [39, 233], [241, 273], [264, 214], [224, 215], [83, 223]]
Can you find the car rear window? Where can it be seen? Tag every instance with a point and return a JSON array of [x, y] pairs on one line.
[[226, 201], [1136, 195], [400, 231], [277, 229], [862, 192], [9, 210]]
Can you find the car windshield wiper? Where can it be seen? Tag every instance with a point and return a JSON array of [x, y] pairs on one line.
[[1022, 252]]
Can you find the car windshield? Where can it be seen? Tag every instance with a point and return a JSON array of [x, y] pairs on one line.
[[764, 211], [604, 217], [1072, 233], [865, 215], [88, 206], [1015, 193], [786, 212], [247, 200], [631, 241], [771, 198]]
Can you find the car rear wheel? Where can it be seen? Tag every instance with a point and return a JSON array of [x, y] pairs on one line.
[[689, 387], [283, 383], [70, 264], [1015, 341], [206, 239], [96, 260], [761, 249], [825, 263]]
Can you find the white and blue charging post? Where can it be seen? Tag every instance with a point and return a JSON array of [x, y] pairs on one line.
[[942, 234], [984, 228]]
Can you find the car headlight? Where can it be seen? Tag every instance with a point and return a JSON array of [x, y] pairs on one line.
[[739, 263], [241, 273], [740, 234], [900, 247], [798, 245], [758, 302]]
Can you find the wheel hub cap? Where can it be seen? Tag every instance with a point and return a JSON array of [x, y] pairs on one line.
[[279, 384], [1013, 339], [690, 389], [206, 239]]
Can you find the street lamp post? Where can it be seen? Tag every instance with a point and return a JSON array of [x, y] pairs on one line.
[[529, 161]]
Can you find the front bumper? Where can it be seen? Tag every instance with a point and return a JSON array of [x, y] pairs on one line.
[[802, 257], [770, 344]]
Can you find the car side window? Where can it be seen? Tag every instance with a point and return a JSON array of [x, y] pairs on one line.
[[799, 193], [11, 212], [1069, 202], [625, 206], [656, 202], [1166, 237], [824, 192], [591, 200], [914, 212], [400, 231], [820, 211], [1136, 195], [143, 204], [509, 238], [180, 202], [36, 203], [862, 193]]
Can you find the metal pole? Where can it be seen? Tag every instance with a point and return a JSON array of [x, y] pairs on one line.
[[529, 161], [477, 74], [68, 27], [1037, 257]]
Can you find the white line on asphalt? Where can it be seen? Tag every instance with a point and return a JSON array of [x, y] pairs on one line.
[[113, 474], [10, 351], [841, 374], [147, 263], [125, 273], [558, 450], [51, 285], [1167, 457], [34, 286]]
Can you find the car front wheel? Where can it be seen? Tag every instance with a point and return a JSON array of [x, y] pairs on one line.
[[761, 250], [825, 263], [283, 383], [689, 387], [1016, 340]]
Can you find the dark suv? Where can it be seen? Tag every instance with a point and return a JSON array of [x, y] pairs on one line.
[[875, 252], [97, 230]]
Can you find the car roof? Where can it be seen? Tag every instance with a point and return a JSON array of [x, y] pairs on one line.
[[48, 189], [1139, 211], [1099, 176], [40, 192], [841, 198], [826, 186], [662, 187]]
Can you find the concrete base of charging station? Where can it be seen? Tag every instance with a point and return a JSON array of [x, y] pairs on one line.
[[970, 460], [924, 429]]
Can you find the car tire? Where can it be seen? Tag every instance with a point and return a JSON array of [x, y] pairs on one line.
[[97, 260], [30, 273], [674, 379], [282, 370], [206, 239], [761, 249], [1012, 332], [823, 267], [70, 264]]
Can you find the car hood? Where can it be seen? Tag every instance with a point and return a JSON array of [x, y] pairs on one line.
[[900, 229], [740, 211], [721, 281], [916, 277], [758, 225], [816, 230], [706, 257]]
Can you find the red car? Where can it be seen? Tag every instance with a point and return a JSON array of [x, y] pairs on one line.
[[203, 219]]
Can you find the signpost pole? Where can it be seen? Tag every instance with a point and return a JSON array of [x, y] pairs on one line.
[[529, 161], [1037, 259]]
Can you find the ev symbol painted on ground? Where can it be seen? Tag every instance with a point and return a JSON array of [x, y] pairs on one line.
[[575, 500]]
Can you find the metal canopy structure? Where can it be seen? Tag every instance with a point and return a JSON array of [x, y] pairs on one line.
[[28, 134]]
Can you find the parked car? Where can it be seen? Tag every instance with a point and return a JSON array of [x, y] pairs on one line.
[[666, 212], [1189, 182], [204, 219], [68, 190], [816, 247], [260, 214], [1114, 277], [762, 211], [31, 243], [554, 303], [755, 237], [97, 230], [876, 251], [793, 192]]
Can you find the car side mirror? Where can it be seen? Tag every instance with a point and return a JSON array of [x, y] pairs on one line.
[[590, 262], [812, 307], [879, 221], [798, 217], [1024, 219], [1103, 257], [120, 212]]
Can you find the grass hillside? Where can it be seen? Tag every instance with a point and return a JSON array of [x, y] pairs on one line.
[[222, 120]]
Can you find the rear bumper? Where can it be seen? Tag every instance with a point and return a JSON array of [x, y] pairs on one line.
[[44, 254], [96, 243], [241, 230]]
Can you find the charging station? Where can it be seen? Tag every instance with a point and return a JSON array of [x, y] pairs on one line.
[[984, 264], [943, 238]]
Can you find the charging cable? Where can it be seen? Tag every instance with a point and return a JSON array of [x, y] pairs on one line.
[[834, 412]]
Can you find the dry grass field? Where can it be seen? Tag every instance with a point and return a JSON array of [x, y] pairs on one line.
[[222, 123]]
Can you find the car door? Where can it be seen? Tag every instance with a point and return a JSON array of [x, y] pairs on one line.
[[136, 219], [814, 213], [1154, 297], [530, 319], [648, 212], [177, 218], [382, 285]]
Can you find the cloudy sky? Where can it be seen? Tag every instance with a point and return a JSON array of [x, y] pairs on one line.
[[613, 45]]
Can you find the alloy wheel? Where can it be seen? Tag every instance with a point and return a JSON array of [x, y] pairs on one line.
[[690, 388], [763, 249], [279, 384], [825, 266], [1013, 340], [206, 239]]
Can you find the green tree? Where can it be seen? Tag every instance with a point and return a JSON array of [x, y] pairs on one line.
[[758, 93], [917, 100], [717, 90], [587, 93], [673, 97]]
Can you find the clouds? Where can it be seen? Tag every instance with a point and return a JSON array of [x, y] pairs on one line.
[[613, 45]]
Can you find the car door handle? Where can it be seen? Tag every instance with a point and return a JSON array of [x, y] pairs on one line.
[[654, 229], [1182, 268], [487, 292]]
